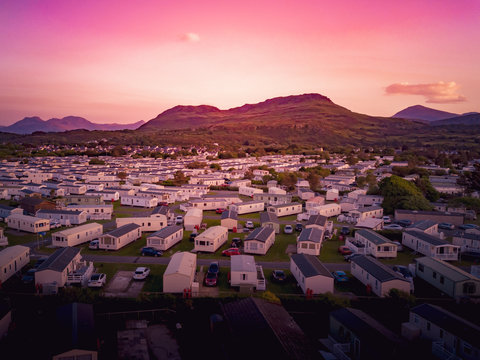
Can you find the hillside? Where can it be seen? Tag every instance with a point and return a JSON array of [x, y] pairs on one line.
[[472, 119], [419, 112], [30, 125]]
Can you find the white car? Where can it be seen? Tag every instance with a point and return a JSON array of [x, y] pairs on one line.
[[141, 273], [387, 220], [179, 219], [97, 280], [94, 244], [249, 225], [288, 229], [392, 227]]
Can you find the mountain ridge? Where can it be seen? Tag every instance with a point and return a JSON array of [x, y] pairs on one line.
[[420, 112]]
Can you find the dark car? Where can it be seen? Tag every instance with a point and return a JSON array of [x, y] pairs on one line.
[[236, 242], [211, 279], [345, 230], [403, 271], [278, 275], [470, 255], [298, 227], [350, 257], [404, 223], [29, 277], [149, 251], [468, 226], [446, 226], [231, 252], [214, 267], [193, 236], [340, 276]]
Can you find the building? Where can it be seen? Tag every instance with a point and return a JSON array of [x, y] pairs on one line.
[[165, 238], [82, 200], [6, 211], [94, 212], [310, 241], [426, 226], [378, 278], [259, 241], [468, 242], [180, 273], [245, 273], [249, 191], [429, 245], [193, 219], [12, 260], [437, 216], [369, 200], [247, 207], [77, 235], [311, 275], [270, 219], [229, 219], [447, 278], [119, 237], [28, 223], [146, 223], [146, 202], [328, 210], [273, 199], [32, 204], [64, 217], [317, 221], [364, 213], [285, 209], [375, 244], [211, 239]]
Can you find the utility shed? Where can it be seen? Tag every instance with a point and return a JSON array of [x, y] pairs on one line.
[[12, 260], [180, 272]]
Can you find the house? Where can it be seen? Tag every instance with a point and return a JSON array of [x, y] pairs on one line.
[[211, 239], [245, 273], [305, 194], [276, 190], [83, 200], [364, 213], [311, 274], [425, 226], [356, 335], [146, 202], [94, 212], [285, 209], [378, 278], [12, 260], [193, 219], [28, 223], [32, 204], [77, 235], [264, 326], [328, 210], [119, 237], [163, 211], [229, 219], [429, 245], [332, 195], [249, 191], [314, 202], [369, 200], [375, 244], [270, 219], [6, 211], [447, 278], [468, 242], [310, 241], [73, 188], [370, 223], [55, 270], [437, 216], [165, 238], [273, 199], [74, 336], [146, 223], [259, 241], [180, 273], [452, 337], [64, 217], [247, 207]]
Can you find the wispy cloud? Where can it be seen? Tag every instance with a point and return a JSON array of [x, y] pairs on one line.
[[440, 92], [190, 37]]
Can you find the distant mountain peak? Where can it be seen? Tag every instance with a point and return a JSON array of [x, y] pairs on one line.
[[420, 112]]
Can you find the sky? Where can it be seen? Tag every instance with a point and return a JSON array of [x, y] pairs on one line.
[[124, 61]]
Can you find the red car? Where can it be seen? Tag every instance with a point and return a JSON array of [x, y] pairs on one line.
[[211, 279], [231, 252], [344, 250], [220, 210]]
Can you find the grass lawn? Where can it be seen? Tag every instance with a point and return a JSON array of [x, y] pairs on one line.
[[329, 251], [404, 257], [289, 286], [352, 285], [255, 215], [288, 218]]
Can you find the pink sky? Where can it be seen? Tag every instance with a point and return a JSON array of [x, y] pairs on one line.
[[124, 61]]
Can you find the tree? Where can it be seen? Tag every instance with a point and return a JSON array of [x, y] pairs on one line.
[[313, 179], [427, 189], [179, 178], [399, 193], [122, 175], [471, 180], [215, 166], [96, 161], [288, 179]]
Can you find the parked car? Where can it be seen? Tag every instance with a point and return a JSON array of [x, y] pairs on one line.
[[446, 226], [214, 267], [403, 271], [470, 255], [399, 245], [94, 244], [141, 273], [298, 227], [231, 252], [404, 223], [97, 280], [278, 275], [350, 257], [236, 242], [29, 276], [340, 276], [468, 226], [288, 229], [344, 250], [40, 261], [393, 227], [179, 220], [345, 230], [149, 251], [387, 220], [193, 236], [211, 279], [220, 210], [249, 225], [162, 204]]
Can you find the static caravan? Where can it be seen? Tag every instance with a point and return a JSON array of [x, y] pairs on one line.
[[211, 239], [467, 242], [180, 273], [375, 244], [311, 274], [209, 204], [12, 260], [273, 199], [310, 241], [366, 213], [193, 218], [139, 201], [248, 207], [329, 210], [77, 235], [314, 202], [94, 212], [285, 209], [379, 278], [147, 223], [118, 238], [276, 190], [229, 219], [28, 223], [270, 219], [332, 195], [429, 245], [259, 241], [426, 226], [6, 211], [243, 271], [249, 191], [64, 217], [165, 238]]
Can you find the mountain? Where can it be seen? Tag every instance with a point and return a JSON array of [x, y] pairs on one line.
[[419, 112], [468, 119], [30, 125]]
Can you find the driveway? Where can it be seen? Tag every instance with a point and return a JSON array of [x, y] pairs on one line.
[[123, 285]]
